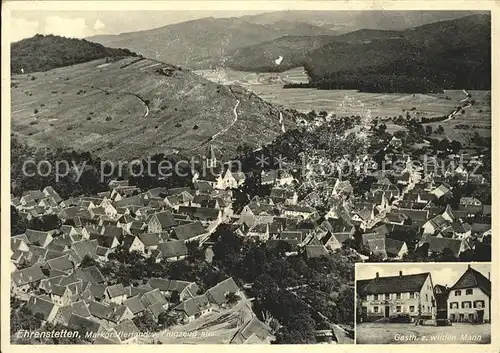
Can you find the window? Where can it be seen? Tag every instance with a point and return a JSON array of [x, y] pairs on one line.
[[398, 308], [466, 305], [412, 295], [375, 297], [454, 305], [387, 296], [416, 294], [426, 298], [412, 309], [398, 295], [458, 293], [479, 304], [375, 309], [468, 291]]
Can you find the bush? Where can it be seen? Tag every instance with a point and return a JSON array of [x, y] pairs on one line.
[[108, 118], [196, 127], [35, 111]]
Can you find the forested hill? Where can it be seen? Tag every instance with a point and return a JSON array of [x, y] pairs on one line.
[[46, 52], [443, 55]]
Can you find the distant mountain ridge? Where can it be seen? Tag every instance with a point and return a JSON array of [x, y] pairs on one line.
[[446, 54], [46, 52], [203, 43]]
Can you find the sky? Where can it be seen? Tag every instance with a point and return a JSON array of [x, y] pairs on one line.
[[80, 24], [441, 273]]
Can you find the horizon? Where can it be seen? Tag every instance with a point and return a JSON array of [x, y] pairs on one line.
[[86, 24]]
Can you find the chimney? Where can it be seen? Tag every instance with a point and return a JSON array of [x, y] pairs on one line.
[[400, 273], [376, 275], [468, 266]]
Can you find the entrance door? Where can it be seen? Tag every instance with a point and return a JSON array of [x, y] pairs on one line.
[[480, 315], [386, 311], [461, 317]]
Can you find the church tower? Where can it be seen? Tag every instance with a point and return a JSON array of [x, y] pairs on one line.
[[211, 160]]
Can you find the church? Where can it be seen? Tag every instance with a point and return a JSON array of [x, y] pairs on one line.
[[217, 175]]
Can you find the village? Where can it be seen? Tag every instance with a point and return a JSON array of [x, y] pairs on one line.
[[405, 213]]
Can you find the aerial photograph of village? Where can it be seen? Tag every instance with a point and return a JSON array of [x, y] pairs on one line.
[[249, 177]]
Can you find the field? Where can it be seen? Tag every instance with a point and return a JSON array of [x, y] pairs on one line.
[[459, 333], [351, 102], [129, 109]]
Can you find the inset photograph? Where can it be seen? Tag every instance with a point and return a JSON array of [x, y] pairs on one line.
[[423, 303]]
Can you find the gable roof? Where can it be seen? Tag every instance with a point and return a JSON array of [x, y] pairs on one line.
[[134, 304], [27, 275], [188, 230], [217, 294], [437, 245], [116, 290], [472, 279], [395, 284], [193, 306], [173, 248], [39, 305]]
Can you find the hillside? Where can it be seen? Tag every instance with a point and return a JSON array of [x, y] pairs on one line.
[[261, 57], [194, 44], [136, 107], [42, 53], [204, 43], [448, 54]]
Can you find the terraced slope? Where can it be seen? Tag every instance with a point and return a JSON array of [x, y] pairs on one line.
[[136, 107]]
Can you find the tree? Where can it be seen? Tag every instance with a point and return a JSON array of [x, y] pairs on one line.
[[87, 262], [18, 224], [45, 222], [232, 298], [168, 319], [428, 130], [455, 146]]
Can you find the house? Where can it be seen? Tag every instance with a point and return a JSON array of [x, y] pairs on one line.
[[254, 330], [127, 332], [193, 308], [434, 225], [402, 294], [387, 247], [279, 177], [437, 245], [442, 191], [470, 201], [115, 294], [284, 196], [312, 251], [185, 289], [470, 298], [44, 307], [189, 232], [173, 250], [61, 295], [91, 326], [40, 238], [217, 294], [65, 312], [395, 142], [135, 306], [160, 221], [133, 243], [298, 211]]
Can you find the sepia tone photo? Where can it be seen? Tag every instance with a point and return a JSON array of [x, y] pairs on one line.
[[423, 304], [210, 176]]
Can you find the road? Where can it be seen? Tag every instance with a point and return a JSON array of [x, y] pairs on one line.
[[235, 112], [399, 333]]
